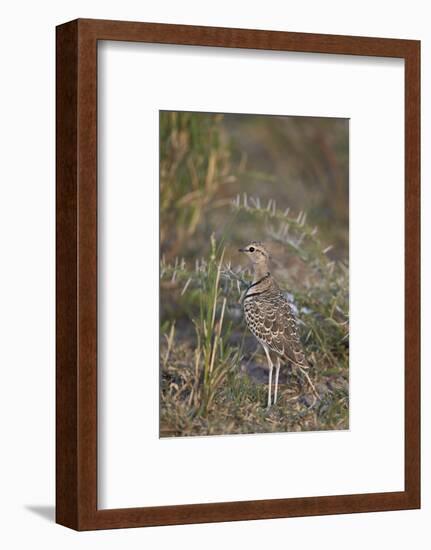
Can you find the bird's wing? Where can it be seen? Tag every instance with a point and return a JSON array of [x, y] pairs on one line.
[[282, 332], [270, 319]]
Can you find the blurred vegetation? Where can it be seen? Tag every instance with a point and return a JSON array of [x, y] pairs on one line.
[[225, 180], [194, 168]]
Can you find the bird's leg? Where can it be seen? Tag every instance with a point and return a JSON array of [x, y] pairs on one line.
[[277, 371], [270, 366]]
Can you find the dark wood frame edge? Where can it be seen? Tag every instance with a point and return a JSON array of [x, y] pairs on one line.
[[76, 276]]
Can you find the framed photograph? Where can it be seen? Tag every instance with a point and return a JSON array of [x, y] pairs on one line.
[[238, 274]]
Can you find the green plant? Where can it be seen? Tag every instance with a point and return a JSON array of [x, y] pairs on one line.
[[194, 165], [213, 353]]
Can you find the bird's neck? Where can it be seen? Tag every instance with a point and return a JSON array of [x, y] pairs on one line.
[[260, 271]]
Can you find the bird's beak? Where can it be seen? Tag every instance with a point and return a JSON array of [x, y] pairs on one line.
[[242, 250]]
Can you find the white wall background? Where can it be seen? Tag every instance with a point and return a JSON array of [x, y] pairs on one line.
[[371, 92], [27, 272]]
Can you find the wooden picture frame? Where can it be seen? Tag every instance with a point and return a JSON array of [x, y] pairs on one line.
[[76, 208]]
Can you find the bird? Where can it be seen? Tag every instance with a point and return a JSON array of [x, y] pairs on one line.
[[269, 317]]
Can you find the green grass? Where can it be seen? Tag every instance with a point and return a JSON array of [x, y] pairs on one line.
[[208, 386], [239, 407]]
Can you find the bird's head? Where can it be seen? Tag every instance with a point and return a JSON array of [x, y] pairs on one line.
[[257, 253]]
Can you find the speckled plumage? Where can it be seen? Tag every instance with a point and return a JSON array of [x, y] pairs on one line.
[[269, 317]]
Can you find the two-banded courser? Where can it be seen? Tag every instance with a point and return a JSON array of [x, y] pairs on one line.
[[269, 317]]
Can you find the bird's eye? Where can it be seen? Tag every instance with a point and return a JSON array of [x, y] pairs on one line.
[[251, 249]]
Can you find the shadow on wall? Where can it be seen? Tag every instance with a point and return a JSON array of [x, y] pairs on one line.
[[45, 512]]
